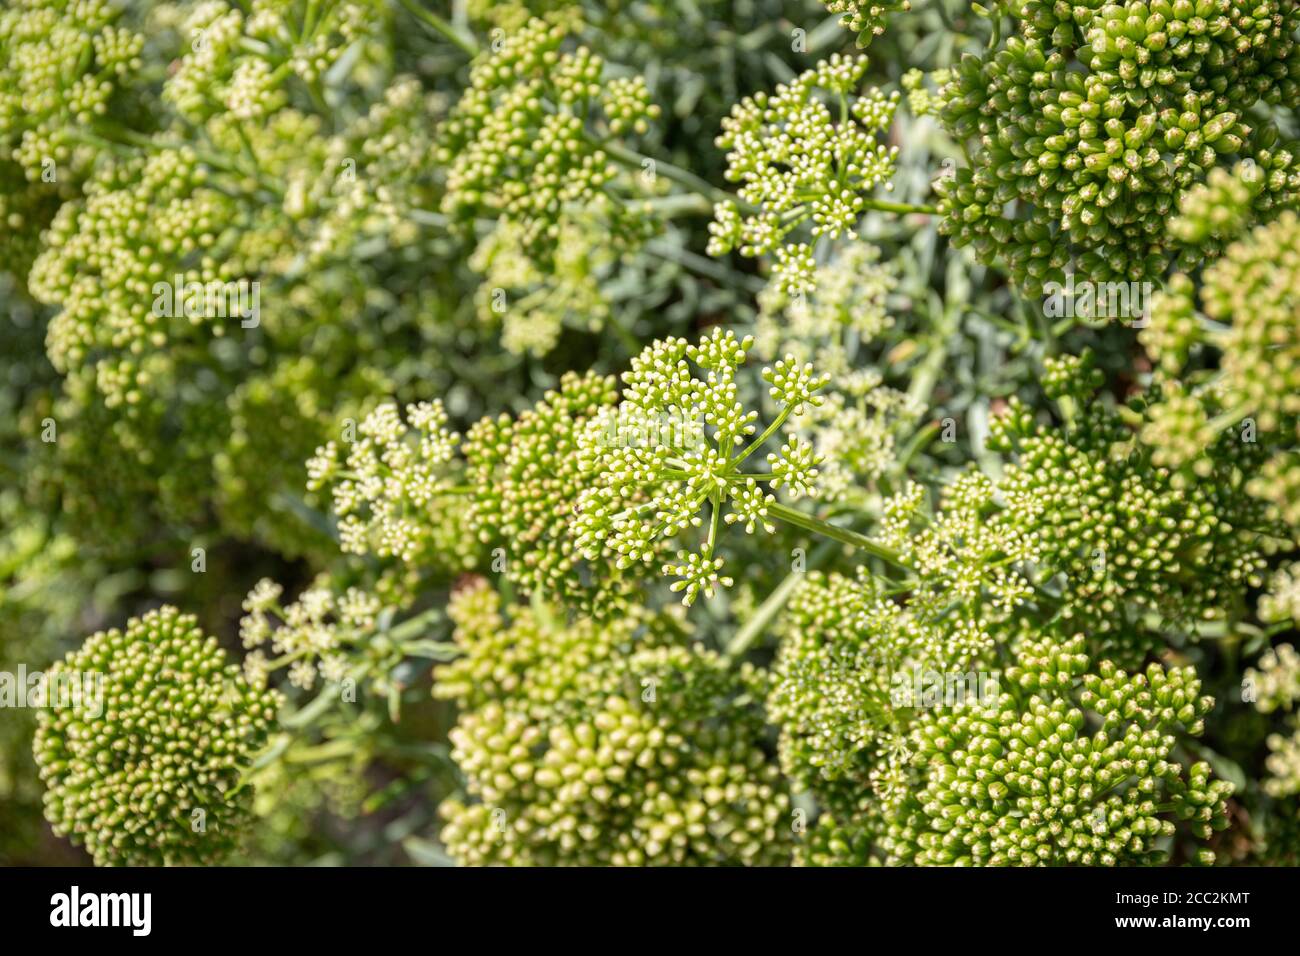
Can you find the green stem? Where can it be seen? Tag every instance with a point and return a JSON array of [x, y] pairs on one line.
[[716, 513], [309, 21], [918, 442], [665, 207], [926, 375], [630, 157], [118, 137], [1227, 419], [247, 146], [767, 433], [276, 663], [1047, 333], [323, 701], [701, 265], [320, 753], [901, 207], [412, 627], [853, 538], [432, 650], [467, 44]]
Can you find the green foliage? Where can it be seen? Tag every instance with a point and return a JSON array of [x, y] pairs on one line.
[[407, 348]]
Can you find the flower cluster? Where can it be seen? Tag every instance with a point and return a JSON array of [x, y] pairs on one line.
[[1129, 536], [194, 278], [1070, 765], [925, 92], [1256, 287], [844, 647], [534, 307], [866, 18], [153, 778], [521, 143], [675, 444], [103, 256], [855, 429], [806, 154], [529, 155], [393, 488], [63, 68], [317, 634], [1275, 683], [162, 255], [920, 751], [526, 481], [1281, 602], [1253, 398], [849, 300], [26, 209], [1219, 208], [299, 39], [856, 658], [45, 576], [854, 435], [1091, 121], [581, 478], [1283, 763], [615, 743], [967, 553], [62, 65]]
